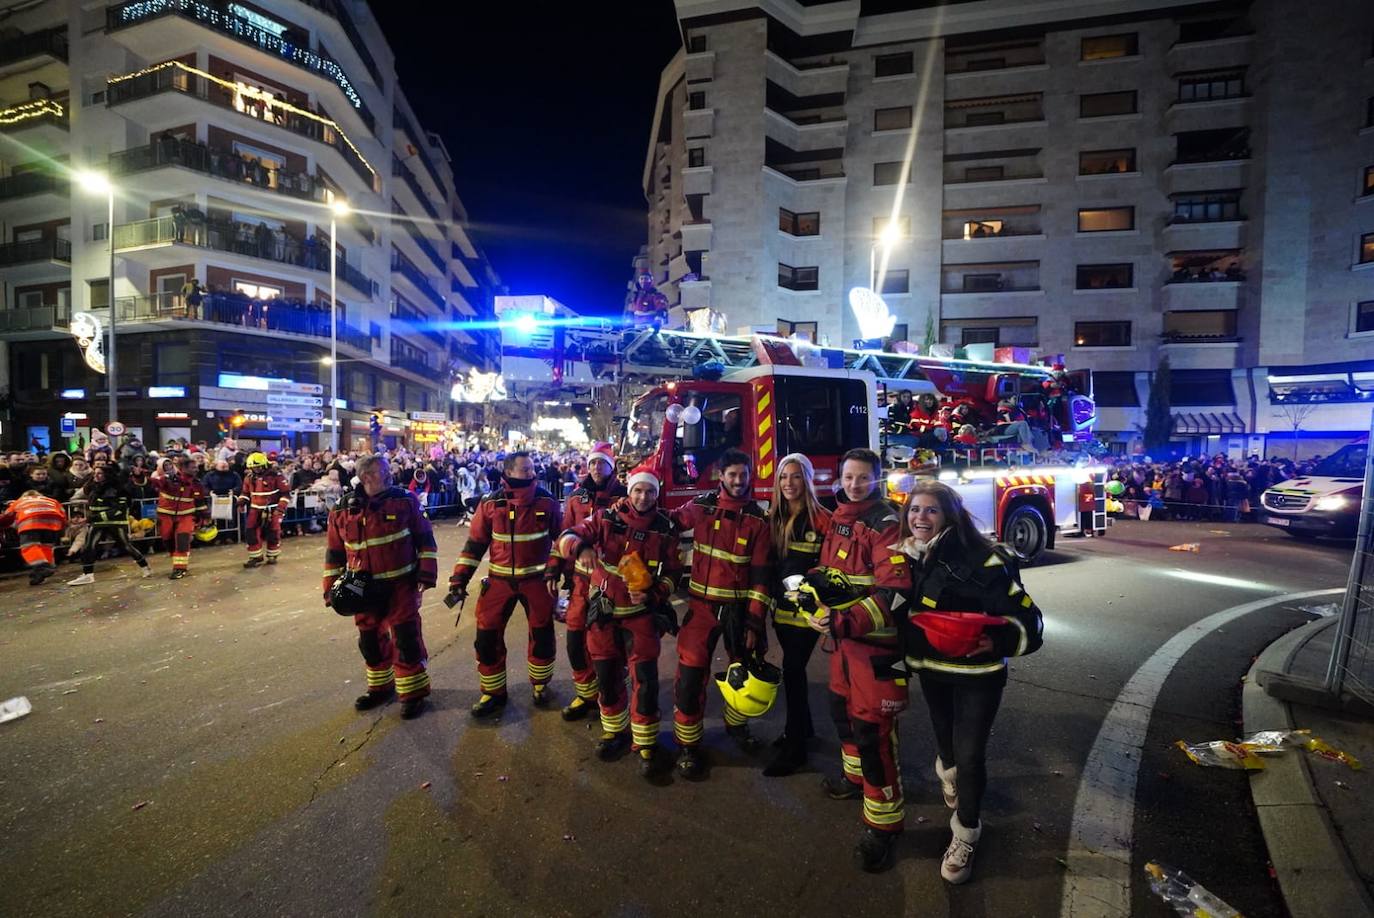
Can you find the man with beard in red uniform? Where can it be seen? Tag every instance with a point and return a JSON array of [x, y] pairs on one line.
[[519, 523], [729, 598], [867, 675], [625, 621], [266, 493], [596, 492], [182, 505], [382, 532]]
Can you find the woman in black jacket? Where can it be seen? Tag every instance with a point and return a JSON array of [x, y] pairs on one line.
[[957, 569], [107, 513]]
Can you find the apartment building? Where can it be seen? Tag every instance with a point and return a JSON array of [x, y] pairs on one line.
[[232, 136], [1114, 180]]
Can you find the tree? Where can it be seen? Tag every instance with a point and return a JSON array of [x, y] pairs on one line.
[[1296, 413], [601, 415], [930, 329], [1159, 422]]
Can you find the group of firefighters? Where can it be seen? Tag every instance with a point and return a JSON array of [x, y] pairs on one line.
[[860, 565]]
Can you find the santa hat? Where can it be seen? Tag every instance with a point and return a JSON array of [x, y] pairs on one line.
[[643, 473], [603, 451]]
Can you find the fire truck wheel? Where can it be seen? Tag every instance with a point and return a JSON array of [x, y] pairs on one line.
[[1024, 530]]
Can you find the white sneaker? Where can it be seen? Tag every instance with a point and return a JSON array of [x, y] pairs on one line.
[[957, 864], [82, 580], [145, 571], [947, 778]]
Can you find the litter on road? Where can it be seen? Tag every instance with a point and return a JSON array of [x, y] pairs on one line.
[[1186, 895], [1186, 546], [1247, 753], [14, 709]]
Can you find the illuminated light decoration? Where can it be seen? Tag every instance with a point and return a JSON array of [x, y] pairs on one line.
[[257, 19], [570, 429], [242, 23], [72, 393], [172, 415], [875, 319], [252, 92], [36, 108], [480, 387], [166, 391], [90, 337]]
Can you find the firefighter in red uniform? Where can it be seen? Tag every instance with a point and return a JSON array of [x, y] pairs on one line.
[[519, 523], [380, 534], [182, 505], [597, 491], [729, 597], [266, 493], [40, 521], [868, 686], [624, 620]]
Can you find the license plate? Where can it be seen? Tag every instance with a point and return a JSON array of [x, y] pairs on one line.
[[1278, 521]]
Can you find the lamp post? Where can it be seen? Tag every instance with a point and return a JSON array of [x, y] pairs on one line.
[[337, 208], [99, 183], [888, 238]]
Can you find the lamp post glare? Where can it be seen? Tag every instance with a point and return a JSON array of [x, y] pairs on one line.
[[888, 237], [98, 183]]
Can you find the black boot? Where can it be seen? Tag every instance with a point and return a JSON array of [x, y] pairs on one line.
[[790, 757], [743, 738], [650, 761], [612, 746], [541, 696], [578, 708], [692, 763], [271, 560], [177, 573], [252, 562], [412, 708], [876, 850], [373, 699], [841, 788], [489, 706]]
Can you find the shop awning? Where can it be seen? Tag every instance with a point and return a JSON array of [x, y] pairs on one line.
[[1206, 423]]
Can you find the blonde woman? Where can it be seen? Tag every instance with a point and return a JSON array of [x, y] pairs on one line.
[[797, 523]]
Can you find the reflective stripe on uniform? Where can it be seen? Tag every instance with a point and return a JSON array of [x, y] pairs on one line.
[[811, 548], [520, 536], [398, 572], [501, 570], [970, 669], [380, 540], [1021, 635], [721, 553], [717, 592]]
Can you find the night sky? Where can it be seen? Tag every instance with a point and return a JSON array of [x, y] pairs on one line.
[[546, 111]]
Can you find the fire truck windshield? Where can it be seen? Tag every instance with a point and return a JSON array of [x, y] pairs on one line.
[[644, 428]]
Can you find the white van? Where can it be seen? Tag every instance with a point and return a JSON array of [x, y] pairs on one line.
[[1325, 503]]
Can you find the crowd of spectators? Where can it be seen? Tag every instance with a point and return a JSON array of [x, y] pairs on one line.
[[1215, 488]]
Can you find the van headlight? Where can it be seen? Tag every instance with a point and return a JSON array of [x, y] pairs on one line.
[[1331, 502]]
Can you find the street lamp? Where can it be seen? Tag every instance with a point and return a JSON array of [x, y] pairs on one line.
[[337, 208], [887, 238], [99, 183]]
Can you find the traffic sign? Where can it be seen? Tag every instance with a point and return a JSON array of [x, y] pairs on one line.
[[309, 426], [311, 401], [68, 425], [428, 416], [274, 385], [295, 414], [114, 429]]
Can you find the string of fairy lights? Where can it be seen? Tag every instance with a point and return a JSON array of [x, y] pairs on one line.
[[36, 108]]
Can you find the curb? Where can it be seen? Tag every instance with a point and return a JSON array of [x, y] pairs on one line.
[[1313, 868]]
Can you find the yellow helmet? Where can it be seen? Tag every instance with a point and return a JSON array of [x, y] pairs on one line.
[[257, 461], [207, 533], [750, 688]]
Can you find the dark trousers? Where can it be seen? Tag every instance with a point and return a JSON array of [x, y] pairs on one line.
[[962, 715], [797, 644], [100, 534]]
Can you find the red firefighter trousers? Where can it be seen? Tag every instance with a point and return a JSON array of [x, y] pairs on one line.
[[611, 642], [494, 607], [392, 645], [579, 642], [175, 533], [704, 625], [865, 699], [263, 525]]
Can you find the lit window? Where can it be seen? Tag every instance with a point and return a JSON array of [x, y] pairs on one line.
[[1106, 220], [1367, 248], [804, 224], [979, 229], [1102, 334], [790, 278], [1106, 162], [258, 291], [1105, 47], [1368, 180]]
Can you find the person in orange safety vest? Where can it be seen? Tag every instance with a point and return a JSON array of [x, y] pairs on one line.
[[40, 522]]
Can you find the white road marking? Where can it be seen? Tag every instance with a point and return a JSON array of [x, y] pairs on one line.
[[1098, 884]]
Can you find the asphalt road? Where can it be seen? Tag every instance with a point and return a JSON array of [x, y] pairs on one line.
[[193, 751]]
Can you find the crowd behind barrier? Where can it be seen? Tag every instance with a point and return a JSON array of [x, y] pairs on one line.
[[1199, 488]]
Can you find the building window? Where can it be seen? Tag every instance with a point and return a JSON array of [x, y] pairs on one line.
[[257, 291], [1106, 219], [805, 224], [985, 173], [1212, 207], [979, 336], [1106, 47], [1366, 248], [100, 231], [696, 156], [897, 282], [886, 65], [696, 101], [696, 44], [1115, 389], [172, 365], [1102, 104], [99, 293], [1102, 334], [1368, 180], [1106, 162], [1364, 316], [888, 173], [892, 119], [1104, 277], [981, 119], [981, 229], [1213, 145], [1210, 29], [903, 225], [982, 283], [791, 278], [1205, 87], [1201, 387]]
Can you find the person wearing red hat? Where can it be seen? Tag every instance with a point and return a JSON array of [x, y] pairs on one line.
[[955, 569], [597, 491], [629, 612]]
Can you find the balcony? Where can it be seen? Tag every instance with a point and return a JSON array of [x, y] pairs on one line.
[[27, 184], [1222, 145], [176, 77], [696, 237], [419, 238], [398, 168], [990, 278], [695, 294], [400, 122], [701, 67], [407, 269], [697, 180], [809, 80], [1200, 327], [50, 249], [24, 48], [992, 112], [17, 322], [289, 47], [236, 311], [241, 239], [993, 57], [698, 122], [35, 113], [416, 365], [198, 157]]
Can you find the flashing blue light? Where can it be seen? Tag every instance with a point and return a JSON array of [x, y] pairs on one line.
[[72, 393], [526, 322]]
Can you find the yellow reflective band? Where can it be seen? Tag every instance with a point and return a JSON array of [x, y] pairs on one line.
[[645, 734], [993, 561], [914, 663], [615, 723], [764, 401], [379, 676], [760, 597], [875, 613], [862, 579], [716, 592], [427, 554], [176, 512], [587, 690], [811, 548], [688, 733], [521, 536], [380, 540], [927, 601], [1021, 639], [721, 554], [842, 554], [407, 684], [398, 572], [764, 426], [491, 683], [734, 718], [502, 570], [465, 561]]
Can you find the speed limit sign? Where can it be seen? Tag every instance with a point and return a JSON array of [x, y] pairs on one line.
[[114, 429]]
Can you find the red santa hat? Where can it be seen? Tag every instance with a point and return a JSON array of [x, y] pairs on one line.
[[602, 450], [643, 473]]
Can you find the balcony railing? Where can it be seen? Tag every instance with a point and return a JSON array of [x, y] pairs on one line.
[[413, 364], [404, 266], [399, 168], [295, 317], [1178, 337], [239, 239], [27, 183], [335, 9], [47, 249], [52, 42], [289, 46], [419, 238], [209, 161], [401, 122], [33, 113], [35, 318], [174, 76]]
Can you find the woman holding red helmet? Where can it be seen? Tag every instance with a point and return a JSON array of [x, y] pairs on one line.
[[968, 613]]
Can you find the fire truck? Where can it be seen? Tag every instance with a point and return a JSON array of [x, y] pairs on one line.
[[772, 396]]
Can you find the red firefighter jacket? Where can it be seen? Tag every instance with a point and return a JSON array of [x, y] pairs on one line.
[[803, 551], [730, 547], [923, 420], [615, 532], [34, 513], [265, 490], [858, 544], [179, 495], [582, 505], [519, 528], [386, 535]]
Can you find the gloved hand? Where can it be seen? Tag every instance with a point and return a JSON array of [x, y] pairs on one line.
[[755, 634]]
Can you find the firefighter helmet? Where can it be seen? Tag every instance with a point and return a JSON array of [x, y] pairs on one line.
[[827, 587], [207, 533], [750, 688], [257, 461]]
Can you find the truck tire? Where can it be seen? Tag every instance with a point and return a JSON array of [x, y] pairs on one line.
[[1025, 532]]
